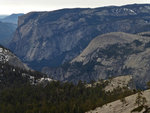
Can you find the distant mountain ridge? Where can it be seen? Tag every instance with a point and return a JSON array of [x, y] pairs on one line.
[[13, 18], [51, 38], [3, 16], [8, 25], [6, 32]]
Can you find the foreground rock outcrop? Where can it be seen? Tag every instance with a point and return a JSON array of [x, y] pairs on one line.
[[127, 107]]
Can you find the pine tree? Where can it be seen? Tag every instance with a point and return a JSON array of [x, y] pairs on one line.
[[148, 85], [140, 100]]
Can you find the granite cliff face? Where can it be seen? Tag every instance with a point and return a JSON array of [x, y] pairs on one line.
[[51, 38], [109, 55]]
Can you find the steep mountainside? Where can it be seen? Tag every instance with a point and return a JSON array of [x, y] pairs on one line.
[[14, 72], [11, 18], [11, 76], [6, 32], [6, 56], [109, 55], [52, 38]]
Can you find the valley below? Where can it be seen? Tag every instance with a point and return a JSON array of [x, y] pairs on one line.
[[77, 60]]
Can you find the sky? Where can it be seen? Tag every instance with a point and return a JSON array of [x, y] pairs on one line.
[[25, 6]]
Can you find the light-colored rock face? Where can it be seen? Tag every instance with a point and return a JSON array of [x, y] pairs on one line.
[[115, 54], [114, 83], [121, 81], [138, 61], [106, 40], [110, 55], [119, 107], [59, 36]]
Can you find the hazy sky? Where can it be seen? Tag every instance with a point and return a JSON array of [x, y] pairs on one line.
[[24, 6]]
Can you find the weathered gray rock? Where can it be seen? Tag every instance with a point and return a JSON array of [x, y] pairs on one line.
[[51, 38], [109, 55], [120, 107]]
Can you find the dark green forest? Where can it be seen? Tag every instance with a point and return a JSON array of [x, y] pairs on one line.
[[56, 97], [18, 95]]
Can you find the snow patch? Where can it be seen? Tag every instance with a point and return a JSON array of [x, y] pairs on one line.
[[44, 79], [4, 57]]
